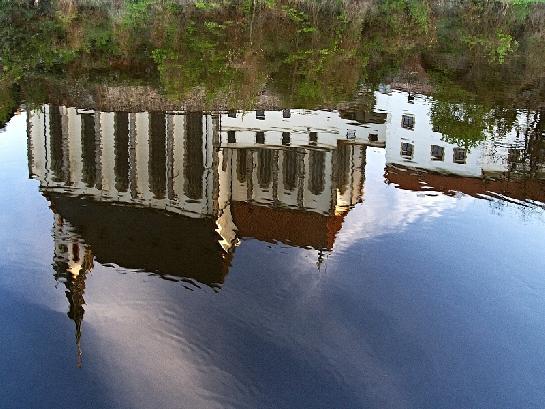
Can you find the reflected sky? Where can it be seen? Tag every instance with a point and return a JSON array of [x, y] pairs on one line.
[[424, 298]]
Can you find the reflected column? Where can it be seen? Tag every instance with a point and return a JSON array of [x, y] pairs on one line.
[[142, 155], [157, 154], [107, 128], [122, 151], [193, 156], [75, 147]]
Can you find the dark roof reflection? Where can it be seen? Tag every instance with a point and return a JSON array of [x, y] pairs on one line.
[[146, 239], [420, 180]]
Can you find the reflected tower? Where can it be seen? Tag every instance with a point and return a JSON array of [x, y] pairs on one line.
[[72, 261]]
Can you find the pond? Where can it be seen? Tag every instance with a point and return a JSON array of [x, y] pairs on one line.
[[272, 205]]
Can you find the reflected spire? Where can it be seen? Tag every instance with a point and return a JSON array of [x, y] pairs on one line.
[[72, 262]]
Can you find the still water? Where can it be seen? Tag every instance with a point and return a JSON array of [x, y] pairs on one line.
[[272, 204], [269, 259]]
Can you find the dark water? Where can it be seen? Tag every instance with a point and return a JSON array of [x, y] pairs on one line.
[[169, 260], [272, 204]]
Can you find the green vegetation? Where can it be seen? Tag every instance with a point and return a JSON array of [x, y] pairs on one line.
[[231, 53]]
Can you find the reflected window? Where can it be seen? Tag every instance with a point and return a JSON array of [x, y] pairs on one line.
[[437, 152], [289, 169], [88, 149], [514, 155], [241, 165], [313, 138], [231, 137], [459, 155], [407, 150], [232, 114], [260, 137], [286, 139], [157, 154], [373, 137], [317, 172], [57, 146], [121, 146], [193, 156], [407, 122], [260, 114], [75, 252], [341, 166], [286, 113], [264, 167]]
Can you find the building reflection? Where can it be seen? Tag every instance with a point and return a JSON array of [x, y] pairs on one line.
[[420, 158], [294, 194], [72, 261], [172, 193]]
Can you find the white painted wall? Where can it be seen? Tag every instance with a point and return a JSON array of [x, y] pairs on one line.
[[489, 156], [328, 124]]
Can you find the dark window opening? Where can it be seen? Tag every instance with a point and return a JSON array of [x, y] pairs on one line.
[[88, 149], [514, 155], [437, 152], [341, 170], [317, 172], [286, 138], [459, 155], [264, 167], [75, 252], [157, 154], [193, 156], [241, 165], [231, 137], [260, 137], [57, 145], [407, 122], [407, 150], [289, 169], [121, 147]]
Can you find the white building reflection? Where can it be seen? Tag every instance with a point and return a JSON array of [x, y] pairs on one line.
[[412, 141], [155, 159], [171, 193], [291, 181], [288, 176], [419, 158]]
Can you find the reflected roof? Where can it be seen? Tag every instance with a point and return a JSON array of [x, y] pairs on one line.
[[420, 180], [295, 227], [147, 239]]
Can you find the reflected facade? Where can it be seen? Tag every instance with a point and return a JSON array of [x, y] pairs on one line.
[[171, 193], [208, 179], [505, 163]]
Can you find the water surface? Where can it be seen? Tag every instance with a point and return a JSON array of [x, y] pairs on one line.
[[262, 274], [272, 206]]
